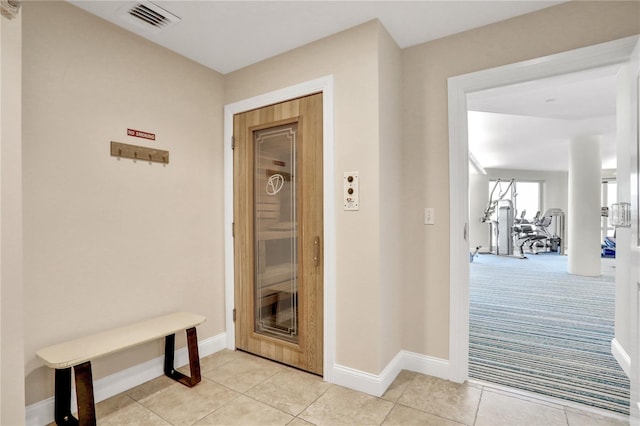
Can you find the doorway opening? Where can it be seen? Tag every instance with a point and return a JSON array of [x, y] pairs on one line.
[[459, 87], [530, 326]]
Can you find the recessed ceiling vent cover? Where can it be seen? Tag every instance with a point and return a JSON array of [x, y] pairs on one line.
[[149, 16]]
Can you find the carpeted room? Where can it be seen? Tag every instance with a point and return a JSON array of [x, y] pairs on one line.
[[535, 327], [538, 320]]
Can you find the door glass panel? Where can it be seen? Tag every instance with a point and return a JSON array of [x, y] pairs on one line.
[[276, 249]]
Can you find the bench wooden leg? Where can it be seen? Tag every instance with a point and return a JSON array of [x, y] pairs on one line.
[[84, 396], [62, 400], [194, 359]]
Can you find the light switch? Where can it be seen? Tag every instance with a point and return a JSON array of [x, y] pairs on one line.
[[351, 191], [429, 216]]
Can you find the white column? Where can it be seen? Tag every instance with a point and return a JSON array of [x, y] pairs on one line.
[[585, 164]]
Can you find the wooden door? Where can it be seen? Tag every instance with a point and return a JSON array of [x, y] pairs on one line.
[[278, 228]]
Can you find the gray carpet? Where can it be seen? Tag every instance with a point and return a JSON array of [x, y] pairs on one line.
[[533, 326]]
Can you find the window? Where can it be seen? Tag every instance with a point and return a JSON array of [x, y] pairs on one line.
[[527, 196]]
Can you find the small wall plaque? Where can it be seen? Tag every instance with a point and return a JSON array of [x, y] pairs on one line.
[[141, 134], [142, 153]]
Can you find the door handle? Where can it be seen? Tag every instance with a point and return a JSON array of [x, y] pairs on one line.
[[316, 251]]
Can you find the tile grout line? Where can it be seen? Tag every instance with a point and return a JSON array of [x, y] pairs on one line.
[[387, 415], [475, 417], [313, 402], [149, 410], [238, 395], [294, 416], [566, 416], [396, 402]]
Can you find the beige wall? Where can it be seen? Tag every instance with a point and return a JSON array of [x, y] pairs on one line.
[[426, 69], [391, 198], [11, 296], [110, 241]]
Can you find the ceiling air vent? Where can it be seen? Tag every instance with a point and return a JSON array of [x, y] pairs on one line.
[[149, 16]]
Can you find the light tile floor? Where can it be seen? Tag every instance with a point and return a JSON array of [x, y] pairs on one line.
[[241, 389]]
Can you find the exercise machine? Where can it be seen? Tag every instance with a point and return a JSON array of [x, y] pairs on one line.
[[546, 233], [501, 206], [609, 247], [474, 254]]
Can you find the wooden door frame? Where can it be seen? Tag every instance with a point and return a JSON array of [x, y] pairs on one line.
[[608, 53], [324, 85]]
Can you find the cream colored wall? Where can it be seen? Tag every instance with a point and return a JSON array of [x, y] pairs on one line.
[[426, 68], [108, 241], [390, 183], [352, 58], [12, 311]]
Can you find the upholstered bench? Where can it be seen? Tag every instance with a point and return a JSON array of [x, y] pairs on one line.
[[80, 352]]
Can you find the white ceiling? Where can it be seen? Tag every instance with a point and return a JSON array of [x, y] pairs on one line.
[[525, 126], [228, 35], [529, 125]]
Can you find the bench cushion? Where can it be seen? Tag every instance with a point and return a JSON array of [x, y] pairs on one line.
[[74, 352]]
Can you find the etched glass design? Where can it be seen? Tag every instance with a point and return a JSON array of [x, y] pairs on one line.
[[276, 250]]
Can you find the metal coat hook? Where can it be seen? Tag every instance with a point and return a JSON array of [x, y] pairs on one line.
[[122, 150]]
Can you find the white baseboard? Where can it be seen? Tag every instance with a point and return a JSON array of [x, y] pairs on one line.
[[377, 385], [621, 356], [41, 413], [428, 365]]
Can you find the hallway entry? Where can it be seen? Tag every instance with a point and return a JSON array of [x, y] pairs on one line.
[[614, 52], [278, 228]]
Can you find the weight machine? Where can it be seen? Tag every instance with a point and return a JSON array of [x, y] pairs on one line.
[[503, 207], [545, 233]]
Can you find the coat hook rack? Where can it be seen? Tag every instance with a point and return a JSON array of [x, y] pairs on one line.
[[123, 150]]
